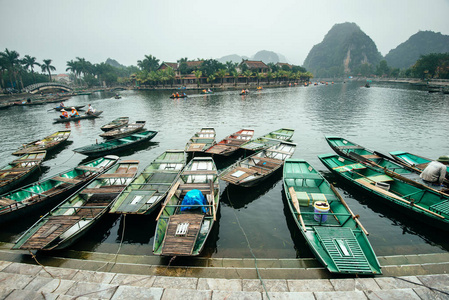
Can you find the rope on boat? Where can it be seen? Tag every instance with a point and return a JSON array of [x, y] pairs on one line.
[[43, 267], [66, 160], [249, 246]]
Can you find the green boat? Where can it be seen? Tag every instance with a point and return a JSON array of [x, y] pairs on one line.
[[93, 115], [424, 205], [144, 194], [71, 219], [255, 168], [48, 191], [270, 139], [115, 145], [333, 233], [48, 143], [182, 228], [378, 160], [415, 161], [124, 131], [201, 141], [18, 170]]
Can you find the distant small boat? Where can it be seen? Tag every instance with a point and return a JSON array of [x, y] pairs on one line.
[[45, 192], [333, 233], [269, 139], [124, 131], [180, 96], [115, 124], [259, 166], [48, 143], [146, 191], [18, 170], [201, 140], [77, 107], [118, 97], [231, 143], [71, 219], [115, 145], [189, 210], [94, 115]]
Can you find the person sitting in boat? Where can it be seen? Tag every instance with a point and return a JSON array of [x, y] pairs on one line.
[[61, 105], [243, 91], [204, 91], [173, 95], [74, 113], [184, 94], [435, 172], [177, 95], [90, 110], [246, 91], [64, 114], [209, 90]]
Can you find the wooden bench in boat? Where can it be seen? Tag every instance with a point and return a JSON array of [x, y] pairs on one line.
[[65, 179], [371, 156], [279, 151], [6, 202], [349, 147], [117, 175], [26, 160], [200, 172], [246, 173], [15, 170], [103, 190], [181, 244], [196, 147], [269, 160]]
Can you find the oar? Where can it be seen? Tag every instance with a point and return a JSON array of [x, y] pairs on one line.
[[292, 192], [356, 219], [169, 195]]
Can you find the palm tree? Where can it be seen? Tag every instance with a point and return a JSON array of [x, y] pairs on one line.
[[29, 62], [47, 67], [149, 63], [198, 75], [235, 74], [170, 73], [259, 76], [12, 60], [72, 66], [211, 79], [247, 74], [3, 68], [221, 74], [269, 76]]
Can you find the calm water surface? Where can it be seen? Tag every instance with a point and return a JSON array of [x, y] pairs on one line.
[[383, 118]]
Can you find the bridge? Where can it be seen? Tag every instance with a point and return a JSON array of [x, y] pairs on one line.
[[39, 87]]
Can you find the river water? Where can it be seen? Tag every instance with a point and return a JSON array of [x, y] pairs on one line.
[[385, 117]]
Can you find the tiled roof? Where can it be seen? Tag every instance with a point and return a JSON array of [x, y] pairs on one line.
[[174, 66], [284, 64], [194, 63], [255, 64]]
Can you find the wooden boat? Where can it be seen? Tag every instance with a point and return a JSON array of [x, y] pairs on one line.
[[269, 139], [333, 233], [124, 131], [422, 204], [18, 170], [414, 160], [116, 145], [6, 105], [71, 219], [115, 124], [117, 97], [201, 141], [377, 160], [144, 194], [77, 107], [243, 94], [94, 115], [253, 169], [231, 143], [182, 228], [48, 143], [48, 191]]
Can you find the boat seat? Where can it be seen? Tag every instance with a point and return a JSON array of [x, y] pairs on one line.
[[318, 197], [139, 135], [346, 168], [303, 198], [440, 207], [378, 178]]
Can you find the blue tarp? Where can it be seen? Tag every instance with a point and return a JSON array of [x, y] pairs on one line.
[[193, 197]]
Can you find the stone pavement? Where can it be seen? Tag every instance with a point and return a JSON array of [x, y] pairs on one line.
[[140, 277]]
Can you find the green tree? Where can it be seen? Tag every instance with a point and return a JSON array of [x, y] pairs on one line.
[[221, 74], [236, 75], [183, 66], [47, 67], [149, 63], [269, 76], [382, 68], [11, 59], [29, 62], [247, 74], [3, 68], [211, 79]]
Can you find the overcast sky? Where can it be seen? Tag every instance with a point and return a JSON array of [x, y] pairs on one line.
[[126, 30]]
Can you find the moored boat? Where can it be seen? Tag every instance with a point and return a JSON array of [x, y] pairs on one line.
[[201, 140], [29, 198], [414, 160], [18, 170], [333, 233], [115, 124], [189, 210], [253, 169], [115, 145], [144, 194], [71, 219], [124, 131], [231, 143], [269, 139], [48, 143], [94, 115], [422, 204]]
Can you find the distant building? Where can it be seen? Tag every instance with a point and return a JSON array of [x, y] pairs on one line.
[[62, 78], [253, 66], [281, 65]]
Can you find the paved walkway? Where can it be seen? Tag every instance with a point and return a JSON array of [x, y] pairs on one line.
[[107, 276]]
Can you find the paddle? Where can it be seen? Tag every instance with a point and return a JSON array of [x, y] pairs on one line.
[[292, 192], [169, 195]]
